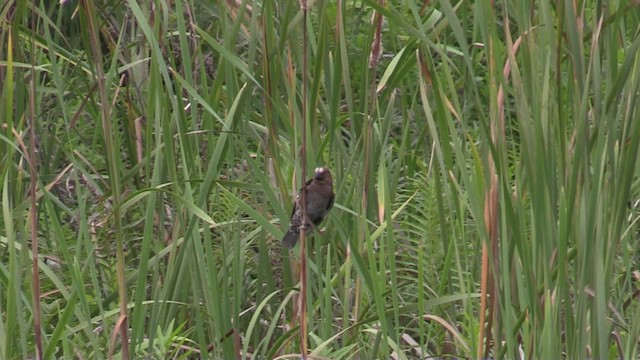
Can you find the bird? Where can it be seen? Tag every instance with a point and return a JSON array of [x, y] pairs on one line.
[[319, 198]]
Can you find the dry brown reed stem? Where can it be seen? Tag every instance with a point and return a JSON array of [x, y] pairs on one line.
[[303, 192]]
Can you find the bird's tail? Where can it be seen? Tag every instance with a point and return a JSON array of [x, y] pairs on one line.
[[290, 239]]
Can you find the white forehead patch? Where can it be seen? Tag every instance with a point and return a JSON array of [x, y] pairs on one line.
[[319, 169]]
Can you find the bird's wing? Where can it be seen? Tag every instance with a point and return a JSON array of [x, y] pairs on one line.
[[295, 203]]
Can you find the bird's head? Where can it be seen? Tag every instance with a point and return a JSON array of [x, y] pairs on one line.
[[323, 175]]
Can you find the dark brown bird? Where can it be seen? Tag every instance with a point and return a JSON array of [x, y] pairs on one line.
[[319, 199]]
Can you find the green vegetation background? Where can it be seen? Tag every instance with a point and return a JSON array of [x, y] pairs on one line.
[[162, 139]]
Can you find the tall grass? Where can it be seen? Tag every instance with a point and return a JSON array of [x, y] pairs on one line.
[[162, 147]]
